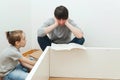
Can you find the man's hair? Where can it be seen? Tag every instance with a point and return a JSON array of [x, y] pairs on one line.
[[14, 36], [61, 12]]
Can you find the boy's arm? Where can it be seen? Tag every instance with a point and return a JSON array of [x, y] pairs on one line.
[[27, 61], [27, 65]]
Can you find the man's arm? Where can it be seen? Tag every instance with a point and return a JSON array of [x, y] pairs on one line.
[[47, 27], [77, 33], [51, 27]]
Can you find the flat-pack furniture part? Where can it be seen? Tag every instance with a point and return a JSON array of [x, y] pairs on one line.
[[33, 54], [102, 63]]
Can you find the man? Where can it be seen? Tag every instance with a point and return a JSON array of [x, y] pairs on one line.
[[59, 30]]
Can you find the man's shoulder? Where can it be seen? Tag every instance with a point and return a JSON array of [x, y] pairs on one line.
[[50, 20], [70, 20]]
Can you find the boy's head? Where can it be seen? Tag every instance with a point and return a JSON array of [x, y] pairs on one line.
[[16, 38], [61, 14]]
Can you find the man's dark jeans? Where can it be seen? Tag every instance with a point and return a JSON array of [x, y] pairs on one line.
[[45, 41]]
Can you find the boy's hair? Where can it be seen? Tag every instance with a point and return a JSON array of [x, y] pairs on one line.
[[61, 12], [14, 36]]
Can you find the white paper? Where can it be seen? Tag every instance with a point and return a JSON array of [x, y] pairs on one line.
[[66, 46]]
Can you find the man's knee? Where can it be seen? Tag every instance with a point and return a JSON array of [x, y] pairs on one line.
[[44, 42], [81, 40], [78, 40]]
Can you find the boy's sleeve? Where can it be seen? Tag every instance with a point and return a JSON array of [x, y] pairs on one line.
[[16, 56]]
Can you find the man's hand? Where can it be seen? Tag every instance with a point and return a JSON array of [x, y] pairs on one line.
[[51, 27], [56, 22], [77, 33], [66, 23]]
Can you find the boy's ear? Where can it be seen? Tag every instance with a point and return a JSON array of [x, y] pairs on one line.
[[17, 43]]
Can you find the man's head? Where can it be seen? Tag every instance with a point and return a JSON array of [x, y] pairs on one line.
[[61, 14]]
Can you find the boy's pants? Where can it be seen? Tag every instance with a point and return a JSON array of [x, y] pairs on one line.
[[19, 73]]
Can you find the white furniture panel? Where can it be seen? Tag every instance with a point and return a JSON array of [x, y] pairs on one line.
[[41, 69], [88, 63]]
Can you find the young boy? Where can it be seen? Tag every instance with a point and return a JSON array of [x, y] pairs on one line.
[[13, 66]]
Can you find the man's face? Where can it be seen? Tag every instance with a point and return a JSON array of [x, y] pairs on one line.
[[61, 22]]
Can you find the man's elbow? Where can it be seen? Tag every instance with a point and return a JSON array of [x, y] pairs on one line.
[[40, 34], [79, 35]]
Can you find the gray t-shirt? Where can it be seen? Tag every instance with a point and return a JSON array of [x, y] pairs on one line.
[[60, 34], [9, 60]]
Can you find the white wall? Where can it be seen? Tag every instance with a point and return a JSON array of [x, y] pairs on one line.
[[99, 19], [102, 23], [15, 14]]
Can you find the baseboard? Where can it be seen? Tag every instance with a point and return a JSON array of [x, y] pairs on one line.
[[57, 78]]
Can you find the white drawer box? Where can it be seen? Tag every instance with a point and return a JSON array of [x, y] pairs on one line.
[[77, 63]]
